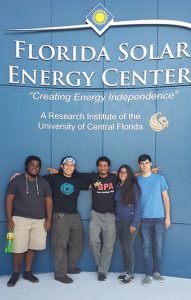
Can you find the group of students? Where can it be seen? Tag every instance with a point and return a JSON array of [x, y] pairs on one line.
[[121, 203]]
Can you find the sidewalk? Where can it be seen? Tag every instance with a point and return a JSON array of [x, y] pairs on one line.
[[87, 287]]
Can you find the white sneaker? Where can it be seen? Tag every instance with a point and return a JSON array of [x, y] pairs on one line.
[[157, 276], [147, 280]]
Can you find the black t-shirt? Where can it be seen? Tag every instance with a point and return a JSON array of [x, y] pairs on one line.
[[29, 201], [102, 191], [65, 192]]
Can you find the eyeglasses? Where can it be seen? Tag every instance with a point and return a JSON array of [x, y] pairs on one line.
[[123, 172]]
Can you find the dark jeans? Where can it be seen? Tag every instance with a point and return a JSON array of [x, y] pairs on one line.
[[152, 241], [127, 240], [67, 239]]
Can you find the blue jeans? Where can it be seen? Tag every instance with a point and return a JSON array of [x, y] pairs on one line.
[[152, 241]]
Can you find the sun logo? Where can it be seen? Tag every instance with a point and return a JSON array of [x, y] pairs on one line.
[[100, 17]]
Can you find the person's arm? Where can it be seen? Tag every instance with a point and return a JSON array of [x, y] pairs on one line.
[[15, 175], [53, 170], [153, 170], [9, 210], [166, 202], [136, 217], [49, 206], [87, 177]]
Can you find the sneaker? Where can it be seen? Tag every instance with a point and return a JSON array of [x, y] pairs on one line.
[[122, 276], [30, 277], [128, 278], [147, 280], [74, 271], [64, 279], [101, 276], [157, 276], [13, 280]]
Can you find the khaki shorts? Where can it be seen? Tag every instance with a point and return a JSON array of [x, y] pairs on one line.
[[29, 234]]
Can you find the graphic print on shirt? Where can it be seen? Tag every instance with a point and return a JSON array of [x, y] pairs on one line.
[[104, 187], [67, 188]]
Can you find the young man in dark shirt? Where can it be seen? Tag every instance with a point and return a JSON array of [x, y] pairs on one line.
[[102, 231], [29, 213], [67, 233]]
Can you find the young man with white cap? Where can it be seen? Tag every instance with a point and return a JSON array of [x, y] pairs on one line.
[[67, 234]]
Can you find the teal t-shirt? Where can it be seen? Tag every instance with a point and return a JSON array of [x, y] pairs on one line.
[[151, 195]]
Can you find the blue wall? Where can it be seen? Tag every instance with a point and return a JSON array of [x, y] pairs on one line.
[[20, 113]]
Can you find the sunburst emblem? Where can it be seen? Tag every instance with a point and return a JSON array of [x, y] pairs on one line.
[[100, 17]]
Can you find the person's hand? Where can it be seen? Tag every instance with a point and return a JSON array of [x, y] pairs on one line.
[[47, 225], [14, 175], [132, 229], [114, 172], [53, 171], [156, 170], [167, 223], [10, 225]]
